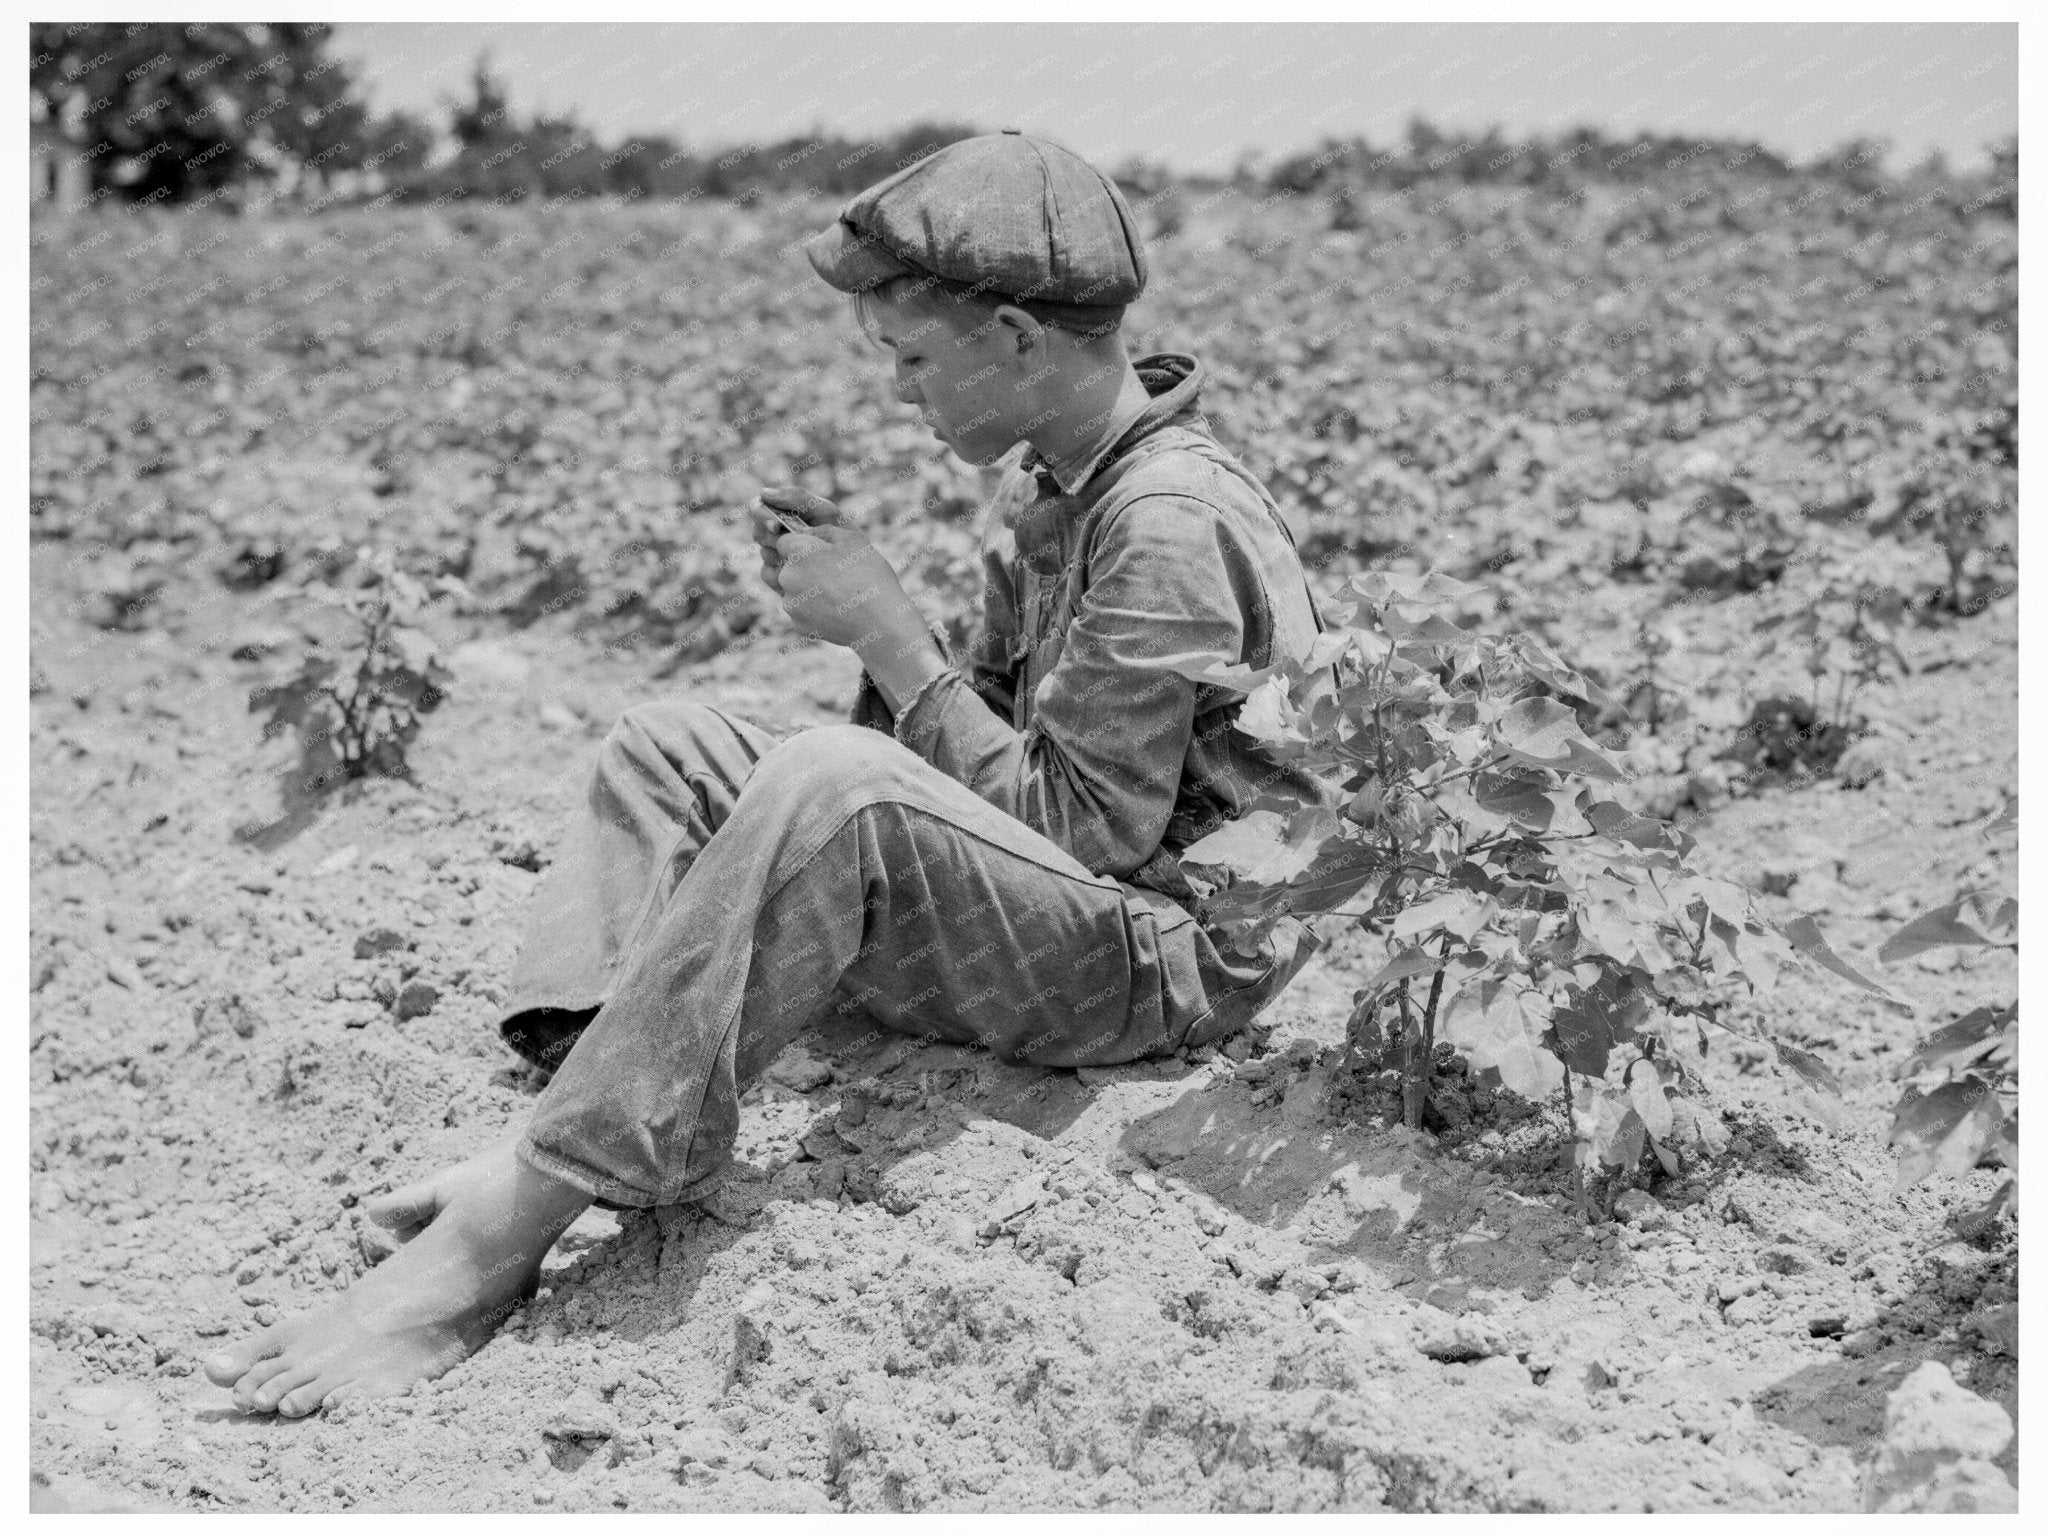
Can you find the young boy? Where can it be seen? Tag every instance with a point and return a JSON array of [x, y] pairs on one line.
[[984, 854]]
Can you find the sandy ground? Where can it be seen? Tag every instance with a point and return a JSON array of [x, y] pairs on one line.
[[934, 1282]]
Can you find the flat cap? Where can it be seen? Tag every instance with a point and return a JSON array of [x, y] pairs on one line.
[[1009, 213]]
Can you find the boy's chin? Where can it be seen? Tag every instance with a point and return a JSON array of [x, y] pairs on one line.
[[978, 455]]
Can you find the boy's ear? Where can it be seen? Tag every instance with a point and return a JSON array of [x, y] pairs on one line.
[[1023, 325]]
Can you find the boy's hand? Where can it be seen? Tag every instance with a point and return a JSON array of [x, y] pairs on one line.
[[835, 585], [797, 507]]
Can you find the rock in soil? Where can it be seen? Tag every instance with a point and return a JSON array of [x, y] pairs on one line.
[[1937, 1455]]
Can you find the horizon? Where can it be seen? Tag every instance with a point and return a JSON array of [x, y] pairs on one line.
[[1798, 89]]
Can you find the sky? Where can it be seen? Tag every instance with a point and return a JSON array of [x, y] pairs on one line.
[[1200, 96]]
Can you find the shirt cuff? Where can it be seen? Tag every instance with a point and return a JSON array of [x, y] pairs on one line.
[[951, 727], [872, 710], [907, 727]]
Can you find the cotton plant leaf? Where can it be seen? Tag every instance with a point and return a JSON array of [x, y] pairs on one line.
[[1415, 624], [1522, 801], [1646, 1093], [1338, 873], [1242, 845], [1330, 647], [1499, 1026], [1546, 734], [1804, 935], [291, 702], [1213, 668], [1645, 832], [1270, 716], [1413, 961], [1960, 1044], [1755, 951], [1593, 1020], [1377, 587], [1610, 1125], [1682, 984], [1461, 913], [1727, 901], [1546, 664], [1974, 921], [1367, 1026], [1945, 1131], [1810, 1067]]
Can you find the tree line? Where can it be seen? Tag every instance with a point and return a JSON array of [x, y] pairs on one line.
[[166, 112]]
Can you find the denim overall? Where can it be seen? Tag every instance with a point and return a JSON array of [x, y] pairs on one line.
[[995, 867]]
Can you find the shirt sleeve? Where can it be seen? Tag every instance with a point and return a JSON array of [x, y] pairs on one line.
[[990, 663], [1099, 768], [872, 710]]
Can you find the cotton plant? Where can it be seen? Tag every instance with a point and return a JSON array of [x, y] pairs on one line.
[[1552, 936]]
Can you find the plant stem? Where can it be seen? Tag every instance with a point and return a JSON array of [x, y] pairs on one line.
[[1436, 992], [1411, 1073], [1466, 773], [1571, 1121]]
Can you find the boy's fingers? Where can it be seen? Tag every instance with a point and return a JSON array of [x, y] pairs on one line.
[[790, 498]]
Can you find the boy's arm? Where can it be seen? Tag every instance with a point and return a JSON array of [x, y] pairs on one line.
[[990, 661], [871, 709], [1099, 769]]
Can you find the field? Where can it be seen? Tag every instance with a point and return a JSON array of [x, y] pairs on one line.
[[1743, 449]]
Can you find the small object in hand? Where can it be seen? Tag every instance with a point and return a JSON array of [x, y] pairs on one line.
[[790, 520]]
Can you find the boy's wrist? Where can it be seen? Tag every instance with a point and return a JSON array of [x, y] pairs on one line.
[[902, 659]]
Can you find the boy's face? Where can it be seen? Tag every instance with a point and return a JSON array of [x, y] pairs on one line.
[[964, 381]]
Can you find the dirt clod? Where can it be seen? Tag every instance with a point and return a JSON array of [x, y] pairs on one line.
[[414, 999], [379, 941]]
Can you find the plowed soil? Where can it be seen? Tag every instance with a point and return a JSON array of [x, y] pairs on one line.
[[934, 1281]]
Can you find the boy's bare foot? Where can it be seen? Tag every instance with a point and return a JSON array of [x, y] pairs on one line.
[[474, 1237], [406, 1211]]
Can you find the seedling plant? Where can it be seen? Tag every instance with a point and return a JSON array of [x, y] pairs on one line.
[[359, 710], [1960, 1106]]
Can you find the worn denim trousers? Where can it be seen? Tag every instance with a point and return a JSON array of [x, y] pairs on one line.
[[723, 891]]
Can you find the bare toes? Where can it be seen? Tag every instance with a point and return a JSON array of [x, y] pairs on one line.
[[308, 1396], [228, 1366], [273, 1392], [406, 1209], [251, 1384]]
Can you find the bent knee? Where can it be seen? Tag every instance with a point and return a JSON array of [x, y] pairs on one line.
[[663, 720], [662, 728], [838, 757]]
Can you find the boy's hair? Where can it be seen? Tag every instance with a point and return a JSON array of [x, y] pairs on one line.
[[972, 305]]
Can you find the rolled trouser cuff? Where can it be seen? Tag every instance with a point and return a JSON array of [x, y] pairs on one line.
[[602, 1187]]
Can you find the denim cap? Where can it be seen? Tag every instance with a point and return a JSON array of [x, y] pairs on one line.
[[1009, 214]]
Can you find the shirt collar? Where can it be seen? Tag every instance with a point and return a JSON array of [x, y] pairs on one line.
[[1071, 473]]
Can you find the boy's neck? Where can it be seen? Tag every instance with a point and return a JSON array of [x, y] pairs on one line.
[[1098, 405]]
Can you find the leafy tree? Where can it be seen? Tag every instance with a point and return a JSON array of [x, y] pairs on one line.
[[501, 155], [650, 166], [484, 122], [166, 111]]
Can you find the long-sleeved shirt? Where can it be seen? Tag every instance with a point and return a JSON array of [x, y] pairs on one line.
[[1067, 711]]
